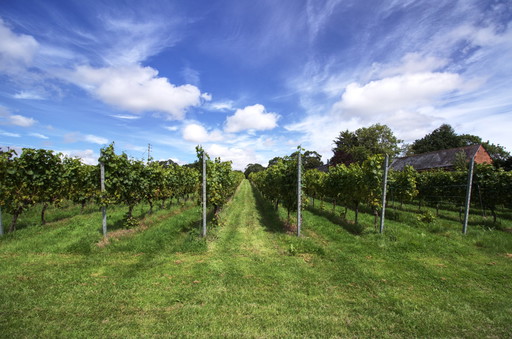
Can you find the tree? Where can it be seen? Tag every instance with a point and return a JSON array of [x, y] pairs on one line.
[[364, 142], [443, 137], [274, 161], [253, 168], [310, 159]]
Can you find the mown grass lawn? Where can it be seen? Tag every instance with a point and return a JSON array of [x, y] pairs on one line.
[[250, 278]]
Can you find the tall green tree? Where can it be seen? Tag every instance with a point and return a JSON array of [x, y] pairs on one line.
[[443, 137], [310, 159], [364, 142], [253, 168]]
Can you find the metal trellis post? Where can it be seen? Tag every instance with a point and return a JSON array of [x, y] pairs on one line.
[[384, 191], [103, 208], [468, 196], [204, 195], [299, 192]]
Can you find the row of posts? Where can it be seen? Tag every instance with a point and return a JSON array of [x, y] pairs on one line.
[[299, 197], [467, 201], [104, 208]]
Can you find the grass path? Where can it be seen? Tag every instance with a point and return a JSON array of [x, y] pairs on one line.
[[248, 279], [242, 231]]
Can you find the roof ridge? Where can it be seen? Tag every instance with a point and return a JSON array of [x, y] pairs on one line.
[[442, 150]]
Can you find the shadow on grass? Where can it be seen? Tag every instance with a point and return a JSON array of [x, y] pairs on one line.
[[197, 225], [356, 229], [269, 217], [115, 222]]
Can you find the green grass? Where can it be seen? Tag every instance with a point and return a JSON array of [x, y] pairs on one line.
[[250, 278]]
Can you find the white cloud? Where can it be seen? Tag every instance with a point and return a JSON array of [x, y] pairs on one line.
[[206, 96], [95, 139], [319, 131], [408, 91], [131, 147], [197, 133], [411, 63], [240, 157], [27, 96], [171, 128], [76, 137], [408, 103], [16, 50], [176, 160], [136, 89], [16, 119], [39, 135], [9, 134], [87, 156], [221, 105], [251, 118], [125, 116], [130, 38]]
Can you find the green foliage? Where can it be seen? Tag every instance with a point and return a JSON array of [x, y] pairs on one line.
[[445, 137], [426, 217], [364, 142], [252, 168], [314, 183], [278, 183], [493, 187], [125, 179], [402, 184], [130, 222], [82, 181], [435, 187], [356, 184], [310, 159], [221, 180], [36, 176]]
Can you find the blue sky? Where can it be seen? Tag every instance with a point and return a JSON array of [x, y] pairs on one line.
[[249, 80]]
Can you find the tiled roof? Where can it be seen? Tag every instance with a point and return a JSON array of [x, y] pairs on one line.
[[432, 160]]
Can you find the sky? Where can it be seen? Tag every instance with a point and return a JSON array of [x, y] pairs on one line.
[[249, 80]]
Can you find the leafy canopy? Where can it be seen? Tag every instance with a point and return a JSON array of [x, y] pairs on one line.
[[364, 142]]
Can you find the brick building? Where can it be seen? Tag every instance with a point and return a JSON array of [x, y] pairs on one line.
[[443, 159]]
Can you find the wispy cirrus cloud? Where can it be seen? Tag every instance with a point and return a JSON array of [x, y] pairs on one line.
[[125, 116], [7, 118], [16, 50], [90, 138], [39, 135], [9, 134], [27, 95]]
